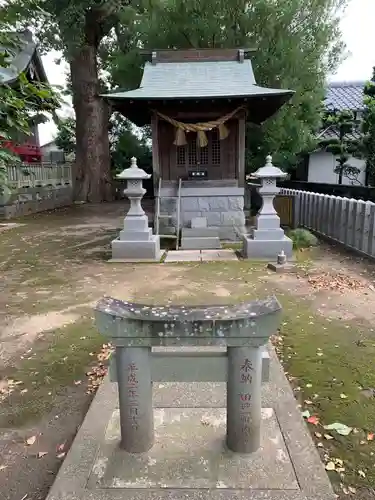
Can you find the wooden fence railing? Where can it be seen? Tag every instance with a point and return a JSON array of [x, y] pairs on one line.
[[40, 174], [345, 220]]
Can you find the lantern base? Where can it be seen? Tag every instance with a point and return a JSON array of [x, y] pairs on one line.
[[136, 251], [266, 249]]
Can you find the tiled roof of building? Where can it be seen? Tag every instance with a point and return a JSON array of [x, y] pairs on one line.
[[333, 133], [344, 95], [341, 96]]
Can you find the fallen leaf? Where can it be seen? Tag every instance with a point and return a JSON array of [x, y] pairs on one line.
[[61, 455], [343, 396], [305, 414], [42, 454], [342, 429], [313, 420], [77, 382], [370, 436], [330, 466], [3, 467], [320, 445], [318, 435], [205, 421], [319, 354], [308, 402], [31, 440], [24, 391], [61, 447], [351, 489], [328, 437], [337, 281], [308, 386], [361, 473]]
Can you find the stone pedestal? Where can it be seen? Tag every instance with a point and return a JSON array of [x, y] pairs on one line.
[[244, 329], [267, 240], [136, 243]]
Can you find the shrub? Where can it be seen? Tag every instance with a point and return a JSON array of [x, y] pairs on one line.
[[302, 238]]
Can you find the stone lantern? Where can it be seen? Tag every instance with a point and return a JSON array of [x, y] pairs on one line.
[[136, 243], [267, 240]]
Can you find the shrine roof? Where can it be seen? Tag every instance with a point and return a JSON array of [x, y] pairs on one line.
[[198, 79], [23, 58]]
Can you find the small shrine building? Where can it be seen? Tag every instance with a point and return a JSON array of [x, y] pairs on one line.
[[198, 102]]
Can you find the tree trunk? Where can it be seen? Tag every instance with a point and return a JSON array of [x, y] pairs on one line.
[[92, 164]]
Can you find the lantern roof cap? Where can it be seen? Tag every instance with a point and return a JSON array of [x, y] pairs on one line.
[[269, 171], [133, 172]]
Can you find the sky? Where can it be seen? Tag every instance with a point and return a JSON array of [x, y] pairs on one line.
[[357, 29]]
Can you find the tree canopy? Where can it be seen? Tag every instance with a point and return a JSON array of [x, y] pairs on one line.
[[297, 42], [369, 127], [20, 103], [125, 142], [77, 28], [344, 145]]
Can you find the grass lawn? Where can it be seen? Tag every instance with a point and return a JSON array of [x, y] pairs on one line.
[[55, 363], [54, 272], [329, 364]]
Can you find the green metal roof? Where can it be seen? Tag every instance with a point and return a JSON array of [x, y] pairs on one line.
[[188, 80], [21, 60], [199, 80]]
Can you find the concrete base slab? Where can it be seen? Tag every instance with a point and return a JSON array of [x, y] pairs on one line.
[[223, 254], [200, 242], [9, 225], [281, 268], [91, 459], [183, 256], [133, 261], [200, 255], [266, 249], [136, 251], [178, 461]]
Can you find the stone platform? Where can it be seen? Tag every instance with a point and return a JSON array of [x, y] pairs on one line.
[[189, 460], [200, 255], [178, 461]]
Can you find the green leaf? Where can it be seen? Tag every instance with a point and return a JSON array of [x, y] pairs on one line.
[[342, 429]]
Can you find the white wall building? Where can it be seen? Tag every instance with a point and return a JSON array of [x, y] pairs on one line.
[[321, 165], [52, 153]]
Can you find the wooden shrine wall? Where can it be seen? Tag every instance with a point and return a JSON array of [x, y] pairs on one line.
[[175, 163]]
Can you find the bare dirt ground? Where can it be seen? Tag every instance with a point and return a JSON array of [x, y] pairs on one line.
[[53, 269]]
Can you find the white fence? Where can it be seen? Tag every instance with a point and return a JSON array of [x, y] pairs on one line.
[[345, 220], [39, 174]]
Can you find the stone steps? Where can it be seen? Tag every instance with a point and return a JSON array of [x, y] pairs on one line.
[[199, 232]]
